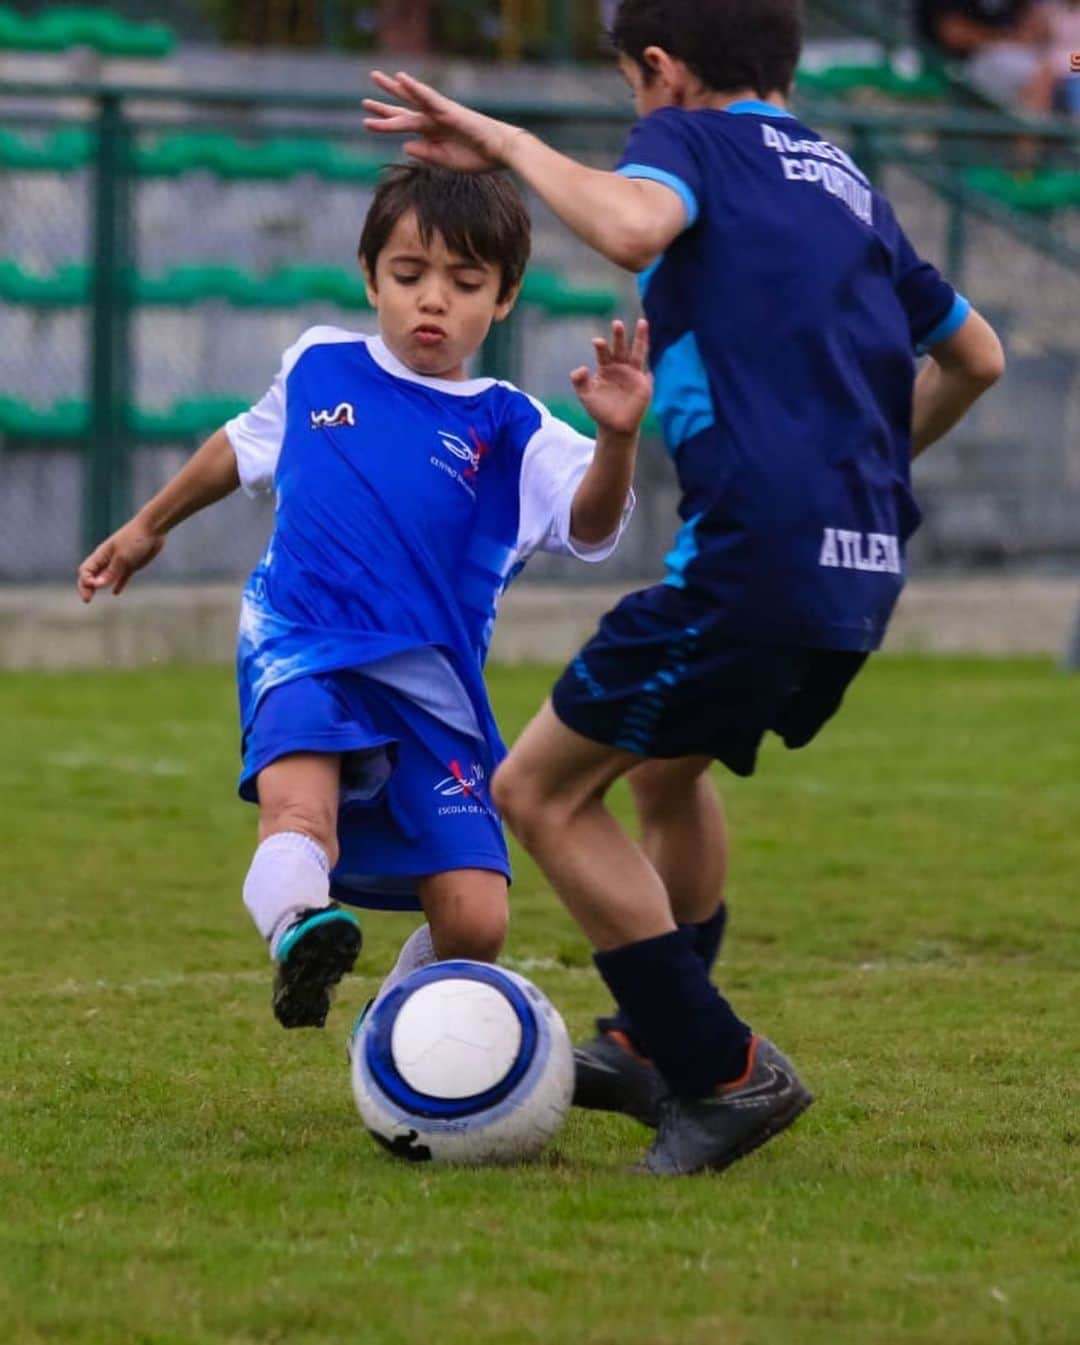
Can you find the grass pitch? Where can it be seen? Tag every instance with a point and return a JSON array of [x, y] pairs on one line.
[[176, 1170]]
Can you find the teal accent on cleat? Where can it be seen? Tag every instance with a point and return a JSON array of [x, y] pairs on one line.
[[314, 954]]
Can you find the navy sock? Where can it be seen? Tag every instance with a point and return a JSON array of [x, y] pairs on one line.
[[705, 938], [680, 1019]]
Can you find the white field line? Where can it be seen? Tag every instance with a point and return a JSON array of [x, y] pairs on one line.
[[72, 989]]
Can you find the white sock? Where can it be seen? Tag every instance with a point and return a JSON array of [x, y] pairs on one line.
[[417, 951], [289, 873]]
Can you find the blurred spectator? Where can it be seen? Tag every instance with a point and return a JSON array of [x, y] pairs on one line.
[[403, 25], [1061, 86], [1001, 41]]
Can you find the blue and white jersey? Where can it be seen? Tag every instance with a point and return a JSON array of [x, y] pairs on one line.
[[784, 323], [404, 506]]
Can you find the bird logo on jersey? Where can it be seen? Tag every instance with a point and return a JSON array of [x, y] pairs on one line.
[[460, 449], [457, 782], [342, 414]]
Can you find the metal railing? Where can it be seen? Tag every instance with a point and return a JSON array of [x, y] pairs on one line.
[[932, 148]]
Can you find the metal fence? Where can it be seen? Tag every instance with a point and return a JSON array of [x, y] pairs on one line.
[[158, 252]]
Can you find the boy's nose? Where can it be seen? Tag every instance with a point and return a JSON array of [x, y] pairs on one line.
[[433, 300]]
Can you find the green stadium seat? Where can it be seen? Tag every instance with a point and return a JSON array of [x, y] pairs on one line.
[[260, 161], [67, 287], [62, 151], [838, 81], [188, 419], [574, 414], [71, 419], [65, 420], [63, 29], [1041, 192], [287, 287]]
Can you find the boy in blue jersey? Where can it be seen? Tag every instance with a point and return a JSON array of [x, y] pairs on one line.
[[785, 307], [407, 496]]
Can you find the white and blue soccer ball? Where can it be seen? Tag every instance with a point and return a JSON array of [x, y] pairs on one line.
[[462, 1062]]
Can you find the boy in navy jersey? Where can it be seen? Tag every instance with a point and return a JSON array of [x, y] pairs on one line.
[[407, 497], [785, 306]]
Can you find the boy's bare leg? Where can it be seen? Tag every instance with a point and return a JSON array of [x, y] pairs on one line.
[[683, 833], [467, 916], [684, 837], [468, 913], [299, 793], [287, 889], [550, 790]]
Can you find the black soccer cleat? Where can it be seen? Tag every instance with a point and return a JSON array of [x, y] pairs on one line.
[[315, 953], [695, 1134], [609, 1075]]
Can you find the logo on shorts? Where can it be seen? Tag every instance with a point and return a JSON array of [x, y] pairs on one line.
[[342, 414], [457, 782]]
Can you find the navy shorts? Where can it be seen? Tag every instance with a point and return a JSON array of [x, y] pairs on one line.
[[659, 679], [414, 792]]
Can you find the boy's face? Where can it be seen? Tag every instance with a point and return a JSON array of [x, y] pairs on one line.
[[435, 306]]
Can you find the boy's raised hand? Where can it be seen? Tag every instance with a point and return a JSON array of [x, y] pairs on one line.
[[112, 564], [617, 394], [446, 134]]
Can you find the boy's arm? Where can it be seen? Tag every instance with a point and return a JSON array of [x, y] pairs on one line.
[[208, 476], [954, 377], [628, 220], [616, 396]]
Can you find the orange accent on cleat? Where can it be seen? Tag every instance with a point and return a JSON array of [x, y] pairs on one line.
[[744, 1077], [621, 1039]]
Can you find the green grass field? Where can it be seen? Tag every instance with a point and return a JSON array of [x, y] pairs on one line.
[[176, 1169]]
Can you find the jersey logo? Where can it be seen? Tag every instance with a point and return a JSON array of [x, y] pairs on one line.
[[482, 450], [342, 414], [460, 449], [457, 782]]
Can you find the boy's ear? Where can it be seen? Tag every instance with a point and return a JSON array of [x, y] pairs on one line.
[[667, 70], [369, 284], [505, 306]]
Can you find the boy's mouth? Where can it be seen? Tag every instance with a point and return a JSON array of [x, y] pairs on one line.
[[428, 334]]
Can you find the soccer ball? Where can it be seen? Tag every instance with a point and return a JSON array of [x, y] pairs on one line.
[[462, 1062]]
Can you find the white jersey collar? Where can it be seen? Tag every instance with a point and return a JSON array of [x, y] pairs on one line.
[[389, 362]]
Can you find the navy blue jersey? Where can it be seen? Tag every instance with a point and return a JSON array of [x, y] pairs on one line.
[[404, 506], [785, 320]]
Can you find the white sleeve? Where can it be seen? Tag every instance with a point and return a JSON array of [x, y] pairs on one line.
[[555, 460], [256, 437]]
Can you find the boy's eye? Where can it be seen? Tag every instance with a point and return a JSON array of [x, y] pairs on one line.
[[409, 278], [470, 286]]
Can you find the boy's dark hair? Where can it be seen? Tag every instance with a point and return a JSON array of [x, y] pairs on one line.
[[481, 216], [730, 44]]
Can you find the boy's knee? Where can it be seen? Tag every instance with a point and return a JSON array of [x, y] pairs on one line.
[[319, 824], [512, 793], [471, 932], [468, 912], [662, 787]]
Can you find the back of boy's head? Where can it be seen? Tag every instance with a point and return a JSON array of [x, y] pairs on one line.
[[481, 216], [729, 44]]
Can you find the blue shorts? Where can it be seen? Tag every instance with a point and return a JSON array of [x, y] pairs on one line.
[[658, 679], [414, 793]]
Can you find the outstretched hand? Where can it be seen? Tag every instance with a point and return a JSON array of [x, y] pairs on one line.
[[617, 394], [112, 564], [444, 133]]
